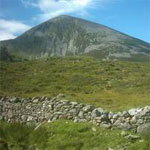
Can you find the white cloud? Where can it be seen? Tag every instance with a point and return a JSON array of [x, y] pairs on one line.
[[10, 28], [5, 35], [53, 8]]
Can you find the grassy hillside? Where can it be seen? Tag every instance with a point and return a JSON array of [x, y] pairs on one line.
[[112, 85], [65, 135]]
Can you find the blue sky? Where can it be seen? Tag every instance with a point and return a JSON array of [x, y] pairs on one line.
[[128, 16]]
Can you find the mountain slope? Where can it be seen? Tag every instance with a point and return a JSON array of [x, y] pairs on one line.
[[65, 35]]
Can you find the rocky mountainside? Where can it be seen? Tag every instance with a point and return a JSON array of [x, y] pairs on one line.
[[66, 35]]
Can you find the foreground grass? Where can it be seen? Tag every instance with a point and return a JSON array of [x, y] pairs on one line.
[[64, 135], [112, 85]]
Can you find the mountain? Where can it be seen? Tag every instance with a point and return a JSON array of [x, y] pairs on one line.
[[66, 35]]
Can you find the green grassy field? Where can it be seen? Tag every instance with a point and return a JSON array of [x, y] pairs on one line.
[[113, 85], [65, 135]]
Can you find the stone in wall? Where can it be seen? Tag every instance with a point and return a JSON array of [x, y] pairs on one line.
[[38, 109]]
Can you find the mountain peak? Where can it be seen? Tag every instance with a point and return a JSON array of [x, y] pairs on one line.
[[62, 17]]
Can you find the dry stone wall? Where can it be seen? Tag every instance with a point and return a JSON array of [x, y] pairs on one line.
[[37, 110]]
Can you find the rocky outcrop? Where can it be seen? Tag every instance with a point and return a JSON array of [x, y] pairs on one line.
[[38, 109]]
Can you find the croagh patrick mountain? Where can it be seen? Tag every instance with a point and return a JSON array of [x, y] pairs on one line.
[[66, 35]]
